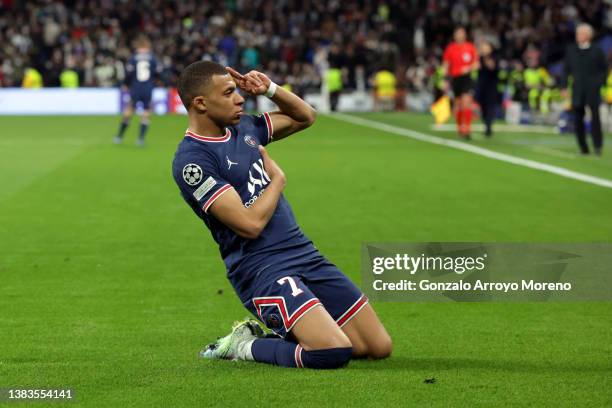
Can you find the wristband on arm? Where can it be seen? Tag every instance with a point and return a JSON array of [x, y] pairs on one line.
[[271, 90]]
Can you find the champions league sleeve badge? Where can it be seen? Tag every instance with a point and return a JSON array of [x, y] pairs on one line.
[[192, 174]]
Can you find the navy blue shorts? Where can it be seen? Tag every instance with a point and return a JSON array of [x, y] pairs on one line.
[[141, 95], [281, 303]]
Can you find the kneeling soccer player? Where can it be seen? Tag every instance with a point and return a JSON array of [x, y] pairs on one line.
[[226, 176]]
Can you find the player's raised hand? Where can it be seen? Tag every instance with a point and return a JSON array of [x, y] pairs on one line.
[[259, 77], [270, 166], [253, 82]]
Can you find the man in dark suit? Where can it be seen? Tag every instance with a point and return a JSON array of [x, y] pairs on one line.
[[487, 94], [586, 64]]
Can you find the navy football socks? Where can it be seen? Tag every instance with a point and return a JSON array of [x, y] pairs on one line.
[[122, 127], [326, 358], [287, 354], [275, 351], [144, 126]]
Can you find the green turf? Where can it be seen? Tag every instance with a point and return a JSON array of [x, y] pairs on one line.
[[110, 284], [551, 148]]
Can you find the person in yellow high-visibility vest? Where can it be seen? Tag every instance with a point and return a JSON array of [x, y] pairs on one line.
[[607, 89], [384, 90], [69, 78], [32, 79], [333, 79], [546, 93], [533, 81], [606, 92]]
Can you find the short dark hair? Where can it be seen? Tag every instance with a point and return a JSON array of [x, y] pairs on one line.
[[195, 78], [142, 42]]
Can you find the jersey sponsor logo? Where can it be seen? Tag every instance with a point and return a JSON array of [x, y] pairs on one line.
[[257, 177], [204, 188], [192, 174], [467, 57], [250, 140], [230, 163], [252, 200]]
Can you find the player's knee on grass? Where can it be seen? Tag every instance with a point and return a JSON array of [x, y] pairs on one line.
[[327, 358], [333, 342], [325, 341], [377, 347], [380, 347]]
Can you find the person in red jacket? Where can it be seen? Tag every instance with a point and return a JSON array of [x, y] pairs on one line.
[[459, 60]]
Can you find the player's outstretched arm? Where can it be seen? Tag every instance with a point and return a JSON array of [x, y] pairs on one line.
[[294, 114], [250, 222]]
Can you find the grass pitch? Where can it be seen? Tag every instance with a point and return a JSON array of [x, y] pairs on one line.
[[110, 285]]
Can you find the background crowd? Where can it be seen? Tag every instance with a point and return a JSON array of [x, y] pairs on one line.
[[293, 41]]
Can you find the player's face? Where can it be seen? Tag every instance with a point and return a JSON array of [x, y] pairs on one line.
[[223, 103], [459, 35]]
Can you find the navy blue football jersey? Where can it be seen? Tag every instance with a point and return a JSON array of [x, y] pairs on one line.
[[205, 168], [141, 70]]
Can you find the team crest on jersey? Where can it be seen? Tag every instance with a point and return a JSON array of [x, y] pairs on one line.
[[250, 140], [192, 174], [273, 321]]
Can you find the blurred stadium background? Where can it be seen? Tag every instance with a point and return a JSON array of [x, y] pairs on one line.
[[110, 287], [312, 47]]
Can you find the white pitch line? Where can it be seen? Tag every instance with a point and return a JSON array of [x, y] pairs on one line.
[[553, 152], [423, 137]]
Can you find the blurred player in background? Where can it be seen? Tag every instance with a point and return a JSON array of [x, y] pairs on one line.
[[487, 94], [141, 70], [459, 60], [321, 319]]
